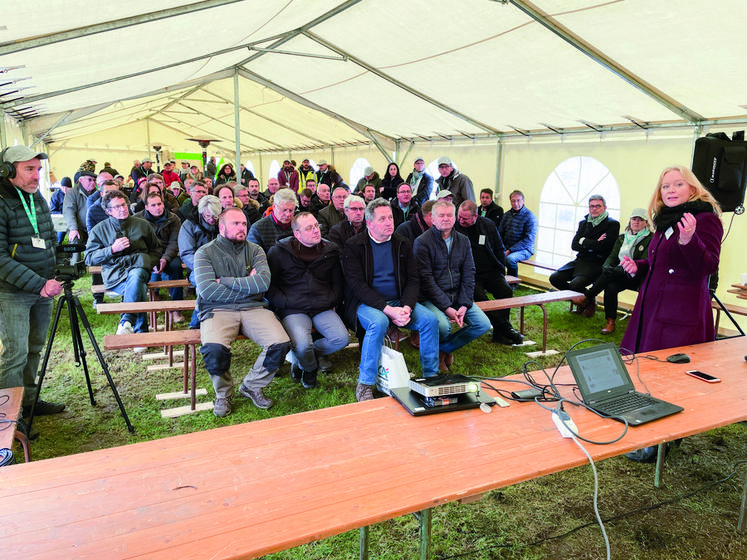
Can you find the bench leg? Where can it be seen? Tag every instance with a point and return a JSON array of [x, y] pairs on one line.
[[521, 321], [193, 375], [21, 438], [544, 328]]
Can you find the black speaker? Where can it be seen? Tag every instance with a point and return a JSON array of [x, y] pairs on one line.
[[720, 163], [6, 169]]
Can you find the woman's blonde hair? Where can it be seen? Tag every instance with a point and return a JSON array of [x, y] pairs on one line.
[[699, 191]]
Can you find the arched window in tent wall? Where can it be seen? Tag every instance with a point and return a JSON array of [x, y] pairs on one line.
[[356, 172], [564, 202], [274, 168]]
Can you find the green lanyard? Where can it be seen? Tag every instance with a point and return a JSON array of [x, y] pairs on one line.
[[31, 213]]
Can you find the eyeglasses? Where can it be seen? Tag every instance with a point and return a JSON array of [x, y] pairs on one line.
[[596, 205], [117, 206]]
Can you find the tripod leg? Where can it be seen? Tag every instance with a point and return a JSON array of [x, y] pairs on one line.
[[80, 351], [100, 356], [47, 353]]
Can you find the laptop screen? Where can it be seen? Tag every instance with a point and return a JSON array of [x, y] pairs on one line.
[[599, 372]]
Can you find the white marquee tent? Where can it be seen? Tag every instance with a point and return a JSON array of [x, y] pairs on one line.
[[508, 88]]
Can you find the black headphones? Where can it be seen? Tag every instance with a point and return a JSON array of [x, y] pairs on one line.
[[7, 170]]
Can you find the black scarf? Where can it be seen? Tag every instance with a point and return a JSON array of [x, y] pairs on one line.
[[670, 217]]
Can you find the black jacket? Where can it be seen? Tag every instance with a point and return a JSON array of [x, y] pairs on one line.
[[297, 286], [493, 242], [343, 231], [586, 241], [358, 267], [447, 278], [399, 215]]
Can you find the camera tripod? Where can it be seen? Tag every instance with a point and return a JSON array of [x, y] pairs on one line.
[[76, 313]]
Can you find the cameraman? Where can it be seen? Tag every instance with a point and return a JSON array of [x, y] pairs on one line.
[[27, 285]]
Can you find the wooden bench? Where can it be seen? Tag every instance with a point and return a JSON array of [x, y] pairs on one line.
[[150, 307], [189, 339], [731, 308], [535, 264], [523, 301], [152, 286], [11, 401]]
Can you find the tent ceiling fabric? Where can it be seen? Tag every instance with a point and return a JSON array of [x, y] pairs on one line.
[[343, 71]]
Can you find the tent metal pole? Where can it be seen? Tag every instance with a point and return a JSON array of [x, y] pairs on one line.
[[550, 23], [3, 140], [375, 71], [498, 158], [52, 38], [237, 126], [55, 125]]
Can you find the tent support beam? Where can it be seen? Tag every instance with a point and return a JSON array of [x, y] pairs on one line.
[[550, 23], [359, 128], [50, 129], [237, 126], [18, 46], [405, 87], [280, 124]]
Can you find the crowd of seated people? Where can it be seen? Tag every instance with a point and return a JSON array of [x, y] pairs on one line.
[[388, 254]]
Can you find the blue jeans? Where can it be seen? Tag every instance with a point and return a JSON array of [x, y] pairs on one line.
[[172, 271], [194, 322], [24, 322], [376, 323], [328, 324], [135, 288], [476, 324], [512, 261]]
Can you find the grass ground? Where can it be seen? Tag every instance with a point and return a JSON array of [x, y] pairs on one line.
[[693, 516]]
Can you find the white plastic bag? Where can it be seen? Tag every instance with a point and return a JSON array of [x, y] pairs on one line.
[[392, 372]]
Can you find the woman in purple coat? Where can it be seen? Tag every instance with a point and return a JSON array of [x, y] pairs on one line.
[[674, 305]]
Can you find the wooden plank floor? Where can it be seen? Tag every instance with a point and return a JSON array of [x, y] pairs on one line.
[[247, 490]]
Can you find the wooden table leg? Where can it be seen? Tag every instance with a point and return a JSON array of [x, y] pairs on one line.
[[193, 368], [661, 453], [21, 438]]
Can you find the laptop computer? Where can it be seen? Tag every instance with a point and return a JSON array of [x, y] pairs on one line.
[[606, 387], [417, 405]]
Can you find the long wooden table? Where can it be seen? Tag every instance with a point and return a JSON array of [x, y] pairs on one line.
[[247, 490]]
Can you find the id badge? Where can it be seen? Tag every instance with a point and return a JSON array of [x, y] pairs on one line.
[[38, 243], [669, 232], [481, 240]]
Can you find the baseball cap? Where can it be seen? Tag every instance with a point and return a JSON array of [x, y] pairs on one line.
[[147, 160], [368, 171], [639, 213], [22, 153], [322, 162], [444, 193], [444, 160], [417, 159]]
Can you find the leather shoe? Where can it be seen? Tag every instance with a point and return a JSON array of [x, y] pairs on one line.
[[415, 339], [257, 397], [590, 309], [579, 300], [513, 335], [610, 328], [296, 373]]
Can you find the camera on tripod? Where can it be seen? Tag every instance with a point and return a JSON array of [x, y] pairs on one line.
[[69, 265]]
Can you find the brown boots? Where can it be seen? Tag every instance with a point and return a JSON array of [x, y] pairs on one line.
[[610, 328]]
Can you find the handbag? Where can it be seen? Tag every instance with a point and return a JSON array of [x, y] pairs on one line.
[[392, 371]]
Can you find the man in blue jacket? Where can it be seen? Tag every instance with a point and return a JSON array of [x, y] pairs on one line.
[[518, 229]]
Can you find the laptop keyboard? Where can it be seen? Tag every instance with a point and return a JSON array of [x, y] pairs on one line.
[[625, 404]]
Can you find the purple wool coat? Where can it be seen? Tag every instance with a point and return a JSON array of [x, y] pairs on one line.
[[674, 306]]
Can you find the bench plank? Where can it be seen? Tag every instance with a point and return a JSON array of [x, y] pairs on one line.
[[533, 299]]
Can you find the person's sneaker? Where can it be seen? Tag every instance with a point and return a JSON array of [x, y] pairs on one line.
[[364, 392], [125, 328], [645, 455], [296, 373], [43, 408], [139, 349], [308, 379], [324, 364], [222, 407], [257, 397]]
